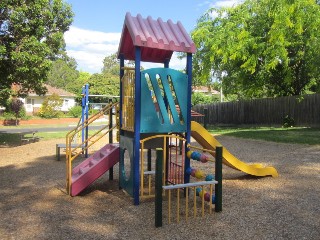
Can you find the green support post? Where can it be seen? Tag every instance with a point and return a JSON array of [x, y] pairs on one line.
[[158, 189], [218, 174]]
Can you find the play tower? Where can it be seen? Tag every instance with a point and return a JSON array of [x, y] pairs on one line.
[[154, 101], [154, 127]]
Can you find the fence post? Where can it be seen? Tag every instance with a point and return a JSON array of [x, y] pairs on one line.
[[205, 117], [218, 174], [158, 188]]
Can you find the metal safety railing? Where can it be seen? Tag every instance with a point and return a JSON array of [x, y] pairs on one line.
[[203, 189], [173, 158], [75, 150]]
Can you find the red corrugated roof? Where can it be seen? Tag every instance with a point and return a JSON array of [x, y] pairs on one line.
[[157, 39]]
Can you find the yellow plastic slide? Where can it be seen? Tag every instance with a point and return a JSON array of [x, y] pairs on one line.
[[206, 140]]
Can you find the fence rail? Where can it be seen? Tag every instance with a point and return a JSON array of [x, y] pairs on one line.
[[305, 110]]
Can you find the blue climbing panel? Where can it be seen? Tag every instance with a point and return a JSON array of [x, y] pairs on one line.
[[163, 101]]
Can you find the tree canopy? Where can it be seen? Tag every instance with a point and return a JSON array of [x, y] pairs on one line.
[[31, 36], [103, 84], [63, 74], [260, 48], [111, 64]]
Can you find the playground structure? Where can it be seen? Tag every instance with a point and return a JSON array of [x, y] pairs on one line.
[[153, 119]]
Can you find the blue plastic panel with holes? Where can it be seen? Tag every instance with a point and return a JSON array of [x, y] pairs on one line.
[[163, 101]]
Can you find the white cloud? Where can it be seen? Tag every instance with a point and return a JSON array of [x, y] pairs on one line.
[[77, 36], [89, 48], [224, 3]]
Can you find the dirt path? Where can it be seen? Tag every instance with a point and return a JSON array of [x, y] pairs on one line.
[[34, 205]]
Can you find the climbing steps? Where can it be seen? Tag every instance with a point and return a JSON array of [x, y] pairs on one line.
[[93, 167]]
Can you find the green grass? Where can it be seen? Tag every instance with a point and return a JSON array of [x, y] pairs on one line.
[[297, 135], [14, 139]]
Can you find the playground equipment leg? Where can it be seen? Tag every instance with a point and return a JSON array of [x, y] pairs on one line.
[[158, 189], [110, 138], [218, 174]]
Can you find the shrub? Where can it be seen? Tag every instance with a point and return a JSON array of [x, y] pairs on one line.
[[93, 111], [288, 122], [15, 110], [8, 116], [51, 106], [75, 111], [201, 98]]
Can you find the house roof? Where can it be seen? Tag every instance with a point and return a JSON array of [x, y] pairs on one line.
[[204, 89], [157, 39], [53, 90]]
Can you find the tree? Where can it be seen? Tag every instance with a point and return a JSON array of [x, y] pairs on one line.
[[260, 48], [31, 36], [111, 64], [103, 84], [63, 73], [76, 85]]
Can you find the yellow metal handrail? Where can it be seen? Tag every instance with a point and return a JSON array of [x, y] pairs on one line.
[[73, 152]]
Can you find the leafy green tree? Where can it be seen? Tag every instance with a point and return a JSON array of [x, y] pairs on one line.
[[76, 85], [31, 36], [260, 48], [103, 84], [111, 65], [63, 73]]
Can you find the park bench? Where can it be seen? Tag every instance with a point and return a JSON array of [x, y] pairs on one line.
[[63, 146], [26, 139]]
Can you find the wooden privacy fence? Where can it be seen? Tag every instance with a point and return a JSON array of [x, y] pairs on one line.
[[305, 110]]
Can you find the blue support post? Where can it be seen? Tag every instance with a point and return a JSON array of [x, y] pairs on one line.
[[85, 115], [137, 113], [188, 133], [166, 63]]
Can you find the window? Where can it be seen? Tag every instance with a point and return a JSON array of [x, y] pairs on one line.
[[30, 101]]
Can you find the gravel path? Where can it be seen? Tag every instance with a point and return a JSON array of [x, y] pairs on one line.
[[34, 204]]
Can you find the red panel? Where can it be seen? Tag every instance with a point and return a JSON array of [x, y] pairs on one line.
[[93, 167]]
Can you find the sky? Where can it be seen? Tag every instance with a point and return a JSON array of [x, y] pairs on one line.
[[96, 30]]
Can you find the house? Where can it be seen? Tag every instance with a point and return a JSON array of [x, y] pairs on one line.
[[205, 90], [33, 101]]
